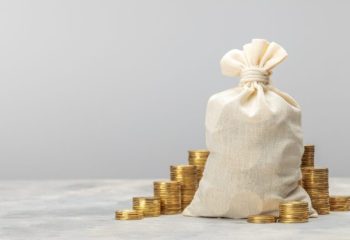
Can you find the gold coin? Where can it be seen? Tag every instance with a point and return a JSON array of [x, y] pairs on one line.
[[198, 151], [308, 156], [261, 219], [315, 182], [128, 215], [339, 203], [169, 193], [148, 206], [292, 220], [186, 175], [293, 212]]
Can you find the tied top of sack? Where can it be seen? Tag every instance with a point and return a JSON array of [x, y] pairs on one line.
[[255, 62]]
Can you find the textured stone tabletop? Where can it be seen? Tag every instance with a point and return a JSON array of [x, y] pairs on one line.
[[84, 209]]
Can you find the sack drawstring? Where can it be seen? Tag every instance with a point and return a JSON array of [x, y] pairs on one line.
[[255, 75]]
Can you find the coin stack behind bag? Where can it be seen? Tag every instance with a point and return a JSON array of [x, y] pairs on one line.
[[169, 193], [315, 182], [293, 212], [128, 215], [261, 219], [186, 175], [148, 206], [199, 173], [339, 203], [198, 158], [308, 159]]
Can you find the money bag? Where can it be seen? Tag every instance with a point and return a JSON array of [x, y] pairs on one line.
[[254, 136]]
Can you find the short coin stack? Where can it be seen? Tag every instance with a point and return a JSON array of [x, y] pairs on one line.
[[308, 158], [293, 212], [315, 182], [128, 215], [169, 193], [261, 219], [339, 203], [148, 206], [198, 158], [186, 175]]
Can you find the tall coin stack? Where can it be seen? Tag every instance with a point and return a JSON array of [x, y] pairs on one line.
[[308, 158], [339, 203], [148, 206], [198, 158], [293, 212], [315, 182], [186, 176], [169, 193]]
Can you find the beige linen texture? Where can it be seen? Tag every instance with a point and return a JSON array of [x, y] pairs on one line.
[[254, 136]]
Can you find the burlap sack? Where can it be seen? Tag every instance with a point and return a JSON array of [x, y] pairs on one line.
[[254, 136]]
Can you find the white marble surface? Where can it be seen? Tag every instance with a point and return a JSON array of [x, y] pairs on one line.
[[84, 209]]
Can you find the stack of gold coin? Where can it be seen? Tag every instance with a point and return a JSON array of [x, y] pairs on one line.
[[308, 158], [293, 212], [148, 206], [339, 203], [198, 158], [186, 175], [128, 215], [315, 182], [169, 193], [199, 172], [261, 219]]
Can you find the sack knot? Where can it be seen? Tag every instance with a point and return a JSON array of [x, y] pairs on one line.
[[255, 75]]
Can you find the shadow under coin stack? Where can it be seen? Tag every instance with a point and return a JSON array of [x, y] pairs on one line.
[[339, 203], [128, 215], [293, 212], [187, 177], [198, 158], [148, 206], [315, 182], [169, 193]]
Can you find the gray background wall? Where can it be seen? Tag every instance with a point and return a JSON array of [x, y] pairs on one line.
[[118, 89]]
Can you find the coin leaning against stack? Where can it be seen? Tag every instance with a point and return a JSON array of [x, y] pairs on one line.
[[169, 193], [148, 206], [186, 175], [261, 219], [308, 159], [339, 203], [293, 212], [198, 158], [128, 215], [315, 182]]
